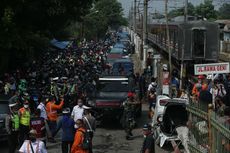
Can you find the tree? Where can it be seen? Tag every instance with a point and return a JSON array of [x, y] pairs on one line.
[[180, 11], [27, 25], [206, 10], [106, 13], [224, 11]]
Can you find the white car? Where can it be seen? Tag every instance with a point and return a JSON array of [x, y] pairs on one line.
[[169, 114]]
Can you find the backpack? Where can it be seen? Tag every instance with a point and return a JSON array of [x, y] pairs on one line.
[[86, 140]]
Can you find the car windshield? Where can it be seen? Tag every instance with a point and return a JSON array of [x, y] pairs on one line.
[[116, 51], [4, 108], [127, 66], [115, 86]]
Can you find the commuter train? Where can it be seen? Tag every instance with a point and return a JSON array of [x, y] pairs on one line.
[[192, 41]]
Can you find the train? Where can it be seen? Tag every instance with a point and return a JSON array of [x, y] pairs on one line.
[[197, 41]]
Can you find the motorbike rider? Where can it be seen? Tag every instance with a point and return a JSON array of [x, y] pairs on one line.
[[12, 127], [129, 115]]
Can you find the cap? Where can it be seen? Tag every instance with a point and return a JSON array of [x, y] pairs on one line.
[[147, 127], [130, 94], [33, 132], [66, 111]]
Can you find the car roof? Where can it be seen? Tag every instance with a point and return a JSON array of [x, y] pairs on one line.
[[123, 60]]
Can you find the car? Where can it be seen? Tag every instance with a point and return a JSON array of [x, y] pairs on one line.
[[170, 113], [125, 63], [110, 94], [4, 110]]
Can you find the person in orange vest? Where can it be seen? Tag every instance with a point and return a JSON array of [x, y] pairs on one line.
[[198, 87], [24, 122], [78, 138], [52, 114]]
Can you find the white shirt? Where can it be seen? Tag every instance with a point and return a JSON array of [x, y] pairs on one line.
[[77, 113], [38, 147], [42, 107]]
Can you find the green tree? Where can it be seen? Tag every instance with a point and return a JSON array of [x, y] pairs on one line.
[[106, 13], [180, 11], [224, 11], [206, 10]]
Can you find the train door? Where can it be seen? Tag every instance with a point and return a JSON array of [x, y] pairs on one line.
[[198, 43]]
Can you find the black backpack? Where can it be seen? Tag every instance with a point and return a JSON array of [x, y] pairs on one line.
[[86, 140]]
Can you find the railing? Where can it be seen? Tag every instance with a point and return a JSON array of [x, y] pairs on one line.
[[209, 133]]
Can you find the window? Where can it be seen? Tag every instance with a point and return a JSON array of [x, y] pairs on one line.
[[199, 43]]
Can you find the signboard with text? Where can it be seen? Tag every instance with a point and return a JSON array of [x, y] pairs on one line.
[[200, 69]]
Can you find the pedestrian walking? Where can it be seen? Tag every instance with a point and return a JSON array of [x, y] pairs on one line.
[[38, 123], [24, 117], [33, 145], [77, 146], [68, 131], [52, 114], [90, 125], [43, 114], [149, 142], [12, 127]]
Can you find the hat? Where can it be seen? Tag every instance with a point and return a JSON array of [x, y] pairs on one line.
[[66, 111], [147, 127], [130, 94], [33, 132]]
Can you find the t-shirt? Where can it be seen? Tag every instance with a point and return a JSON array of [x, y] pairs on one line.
[[77, 113], [149, 143], [38, 147], [42, 107]]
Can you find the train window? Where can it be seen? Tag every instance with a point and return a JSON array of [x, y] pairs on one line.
[[199, 43]]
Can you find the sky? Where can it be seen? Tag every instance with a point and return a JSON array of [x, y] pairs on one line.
[[158, 5]]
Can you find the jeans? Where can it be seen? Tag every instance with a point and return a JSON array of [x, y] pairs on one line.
[[66, 146]]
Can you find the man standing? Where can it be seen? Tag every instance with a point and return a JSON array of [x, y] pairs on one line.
[[129, 115], [52, 108], [149, 142], [78, 110], [24, 117], [77, 146], [90, 124], [12, 127]]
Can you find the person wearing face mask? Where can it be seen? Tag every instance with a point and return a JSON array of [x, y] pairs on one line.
[[24, 120], [149, 142], [78, 110], [33, 145], [12, 127]]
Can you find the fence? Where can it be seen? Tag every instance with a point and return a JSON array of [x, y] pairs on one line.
[[209, 133]]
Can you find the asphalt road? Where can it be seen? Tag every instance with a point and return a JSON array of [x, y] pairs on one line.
[[109, 138]]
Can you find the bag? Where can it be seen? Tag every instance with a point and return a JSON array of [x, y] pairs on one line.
[[90, 131], [86, 140]]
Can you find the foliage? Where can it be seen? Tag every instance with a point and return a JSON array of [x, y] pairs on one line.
[[106, 13], [224, 11], [206, 10], [27, 25], [180, 11]]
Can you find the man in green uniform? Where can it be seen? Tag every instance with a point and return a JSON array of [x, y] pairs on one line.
[[12, 127], [129, 115]]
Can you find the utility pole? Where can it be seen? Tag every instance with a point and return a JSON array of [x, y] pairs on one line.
[[135, 16], [168, 48], [182, 55], [145, 34]]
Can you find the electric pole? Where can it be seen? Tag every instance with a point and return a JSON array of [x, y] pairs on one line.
[[145, 34], [168, 48], [135, 16]]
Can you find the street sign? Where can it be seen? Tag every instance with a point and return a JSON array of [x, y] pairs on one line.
[[214, 68]]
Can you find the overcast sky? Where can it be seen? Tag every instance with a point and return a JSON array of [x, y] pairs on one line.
[[158, 5]]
